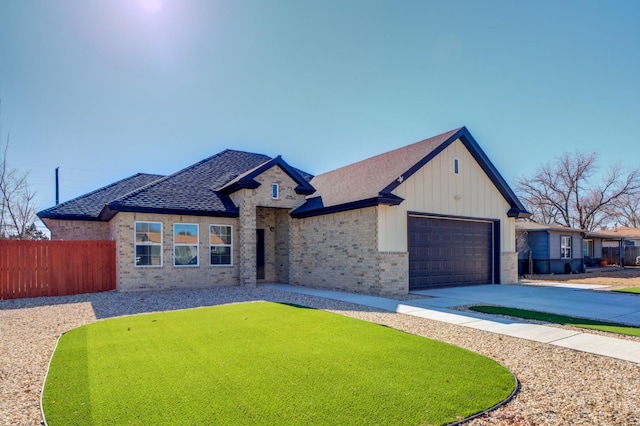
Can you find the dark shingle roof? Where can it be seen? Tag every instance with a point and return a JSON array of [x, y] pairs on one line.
[[89, 206], [192, 190]]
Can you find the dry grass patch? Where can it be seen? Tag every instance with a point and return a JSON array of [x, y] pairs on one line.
[[610, 276]]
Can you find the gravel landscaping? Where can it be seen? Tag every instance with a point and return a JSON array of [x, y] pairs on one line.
[[558, 385]]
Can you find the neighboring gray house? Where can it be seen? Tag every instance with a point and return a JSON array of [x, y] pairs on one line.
[[548, 249], [557, 249], [430, 214]]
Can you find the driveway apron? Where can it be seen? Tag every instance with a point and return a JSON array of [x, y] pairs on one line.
[[443, 305]]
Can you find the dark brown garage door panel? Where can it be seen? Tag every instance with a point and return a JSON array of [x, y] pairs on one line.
[[449, 252]]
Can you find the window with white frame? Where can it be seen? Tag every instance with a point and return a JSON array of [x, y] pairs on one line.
[[220, 245], [565, 247], [148, 243], [275, 191], [456, 166], [185, 244]]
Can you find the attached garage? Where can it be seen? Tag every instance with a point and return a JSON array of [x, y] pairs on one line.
[[431, 214], [450, 251]]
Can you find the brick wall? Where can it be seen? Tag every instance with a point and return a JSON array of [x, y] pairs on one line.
[[261, 196], [258, 210], [393, 273], [130, 277], [266, 220], [275, 223], [77, 229], [283, 225], [339, 251]]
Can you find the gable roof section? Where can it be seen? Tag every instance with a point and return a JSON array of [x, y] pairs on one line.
[[371, 182], [89, 206], [193, 190], [247, 180]]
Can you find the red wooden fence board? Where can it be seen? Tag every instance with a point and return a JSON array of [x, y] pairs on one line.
[[55, 268]]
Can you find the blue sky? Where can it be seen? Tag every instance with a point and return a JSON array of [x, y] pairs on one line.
[[104, 89]]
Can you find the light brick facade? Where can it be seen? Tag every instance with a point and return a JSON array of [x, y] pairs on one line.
[[331, 251], [132, 277], [77, 229], [259, 210], [509, 268], [340, 251]]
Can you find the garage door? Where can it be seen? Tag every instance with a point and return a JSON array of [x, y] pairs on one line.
[[449, 252]]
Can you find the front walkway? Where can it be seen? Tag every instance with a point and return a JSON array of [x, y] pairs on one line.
[[438, 306]]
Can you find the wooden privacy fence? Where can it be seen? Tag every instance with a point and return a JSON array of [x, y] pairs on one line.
[[612, 255], [56, 268]]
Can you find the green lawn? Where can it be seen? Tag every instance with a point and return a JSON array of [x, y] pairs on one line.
[[635, 290], [559, 319], [263, 363]]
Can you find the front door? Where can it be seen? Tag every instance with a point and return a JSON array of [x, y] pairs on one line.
[[260, 254]]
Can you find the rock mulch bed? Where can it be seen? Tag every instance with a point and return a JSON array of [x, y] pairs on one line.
[[558, 386]]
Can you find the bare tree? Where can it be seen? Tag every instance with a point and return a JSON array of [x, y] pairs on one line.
[[626, 210], [569, 191], [17, 201]]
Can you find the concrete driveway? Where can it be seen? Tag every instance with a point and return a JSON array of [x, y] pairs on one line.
[[600, 305], [440, 305]]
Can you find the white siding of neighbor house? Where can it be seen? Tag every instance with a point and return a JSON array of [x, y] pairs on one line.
[[436, 189]]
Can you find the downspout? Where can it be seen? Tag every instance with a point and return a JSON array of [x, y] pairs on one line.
[[583, 263], [548, 252]]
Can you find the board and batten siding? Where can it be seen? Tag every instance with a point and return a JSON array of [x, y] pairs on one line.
[[538, 243], [436, 189]]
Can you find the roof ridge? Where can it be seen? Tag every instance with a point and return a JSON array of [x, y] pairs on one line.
[[184, 170]]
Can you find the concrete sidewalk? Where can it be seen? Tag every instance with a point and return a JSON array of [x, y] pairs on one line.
[[439, 304]]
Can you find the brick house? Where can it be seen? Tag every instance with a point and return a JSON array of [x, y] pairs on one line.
[[433, 213]]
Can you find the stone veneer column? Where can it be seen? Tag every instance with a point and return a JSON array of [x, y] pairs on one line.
[[509, 268], [294, 251], [247, 240]]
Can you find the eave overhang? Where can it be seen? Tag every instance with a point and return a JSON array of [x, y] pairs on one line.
[[44, 215], [315, 207], [109, 211], [518, 213]]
